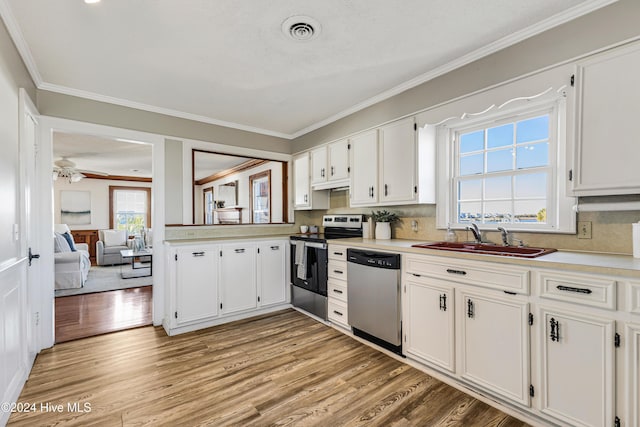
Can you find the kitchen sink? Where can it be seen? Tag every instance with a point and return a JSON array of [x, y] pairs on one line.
[[487, 248]]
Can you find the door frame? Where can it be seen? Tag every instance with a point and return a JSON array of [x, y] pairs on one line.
[[49, 125]]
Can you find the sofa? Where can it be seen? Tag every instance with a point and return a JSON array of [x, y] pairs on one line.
[[71, 260], [109, 245]]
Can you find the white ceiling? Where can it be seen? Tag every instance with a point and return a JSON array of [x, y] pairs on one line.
[[103, 155], [228, 61]]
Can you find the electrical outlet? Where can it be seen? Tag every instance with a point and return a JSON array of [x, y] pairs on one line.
[[584, 229]]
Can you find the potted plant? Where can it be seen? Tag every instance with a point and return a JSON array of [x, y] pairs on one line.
[[383, 221]]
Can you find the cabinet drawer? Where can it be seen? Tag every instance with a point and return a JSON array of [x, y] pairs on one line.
[[338, 253], [633, 297], [337, 289], [579, 289], [490, 275], [337, 269], [337, 312]]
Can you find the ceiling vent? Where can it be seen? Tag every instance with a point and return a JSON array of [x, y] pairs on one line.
[[301, 28]]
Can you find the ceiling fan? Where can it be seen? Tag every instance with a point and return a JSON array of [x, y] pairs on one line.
[[65, 168]]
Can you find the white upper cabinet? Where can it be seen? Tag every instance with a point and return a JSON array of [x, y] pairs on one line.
[[330, 165], [607, 148], [319, 166], [364, 164], [304, 197], [384, 165], [398, 156]]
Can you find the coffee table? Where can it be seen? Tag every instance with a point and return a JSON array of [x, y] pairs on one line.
[[138, 268]]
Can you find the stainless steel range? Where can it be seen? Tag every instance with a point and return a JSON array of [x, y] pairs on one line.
[[309, 262]]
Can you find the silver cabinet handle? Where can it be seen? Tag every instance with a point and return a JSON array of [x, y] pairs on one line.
[[275, 248], [197, 253], [338, 271], [337, 291], [239, 251]]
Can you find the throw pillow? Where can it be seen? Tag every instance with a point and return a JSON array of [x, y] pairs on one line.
[[115, 237], [60, 244], [69, 238]]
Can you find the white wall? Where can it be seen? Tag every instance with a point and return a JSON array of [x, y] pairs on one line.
[[243, 192], [99, 189]]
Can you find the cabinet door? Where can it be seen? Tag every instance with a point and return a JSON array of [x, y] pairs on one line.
[[271, 272], [238, 288], [428, 322], [319, 172], [338, 160], [576, 383], [196, 287], [632, 334], [364, 169], [301, 182], [607, 149], [494, 344], [398, 162]]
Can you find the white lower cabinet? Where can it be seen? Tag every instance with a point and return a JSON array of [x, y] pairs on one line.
[[428, 321], [632, 379], [494, 343], [210, 282], [238, 286], [272, 268], [577, 367], [196, 287], [337, 285]]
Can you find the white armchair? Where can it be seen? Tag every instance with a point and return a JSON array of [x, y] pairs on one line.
[[71, 268]]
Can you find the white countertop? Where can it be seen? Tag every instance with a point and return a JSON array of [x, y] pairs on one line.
[[601, 263]]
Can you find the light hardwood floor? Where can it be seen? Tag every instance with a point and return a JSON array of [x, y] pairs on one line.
[[281, 369]]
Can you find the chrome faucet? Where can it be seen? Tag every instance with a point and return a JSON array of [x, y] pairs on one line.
[[476, 232], [505, 236]]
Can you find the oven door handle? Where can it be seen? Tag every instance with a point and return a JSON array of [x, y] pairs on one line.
[[315, 245]]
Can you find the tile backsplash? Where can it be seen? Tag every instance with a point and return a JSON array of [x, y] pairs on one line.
[[611, 231]]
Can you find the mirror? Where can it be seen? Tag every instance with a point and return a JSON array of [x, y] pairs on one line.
[[231, 189]]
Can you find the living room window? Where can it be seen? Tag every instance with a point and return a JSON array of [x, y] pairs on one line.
[[130, 208]]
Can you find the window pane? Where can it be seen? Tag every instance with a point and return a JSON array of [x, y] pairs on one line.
[[531, 185], [472, 142], [497, 212], [532, 155], [533, 129], [469, 212], [470, 190], [497, 188], [470, 165], [500, 136], [531, 211], [500, 160]]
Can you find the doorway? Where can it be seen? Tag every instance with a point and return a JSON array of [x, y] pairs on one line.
[[96, 152]]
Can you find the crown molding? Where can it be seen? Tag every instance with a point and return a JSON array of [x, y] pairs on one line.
[[540, 27], [551, 22], [18, 40]]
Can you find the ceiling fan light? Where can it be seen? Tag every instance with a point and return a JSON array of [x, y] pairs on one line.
[[76, 177], [55, 175]]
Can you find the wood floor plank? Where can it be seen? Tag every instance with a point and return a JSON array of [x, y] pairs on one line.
[[283, 369]]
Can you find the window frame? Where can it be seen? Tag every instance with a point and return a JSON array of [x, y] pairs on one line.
[[559, 206], [114, 188], [260, 175]]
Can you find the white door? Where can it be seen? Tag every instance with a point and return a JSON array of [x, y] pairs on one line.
[[398, 162], [238, 286], [271, 272], [494, 344], [632, 365], [364, 169], [319, 171], [339, 160], [30, 164], [196, 284], [577, 373], [429, 321], [301, 182]]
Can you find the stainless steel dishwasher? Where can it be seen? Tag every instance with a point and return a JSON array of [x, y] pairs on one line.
[[374, 297]]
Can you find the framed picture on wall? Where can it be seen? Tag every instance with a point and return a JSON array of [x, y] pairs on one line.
[[75, 207]]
